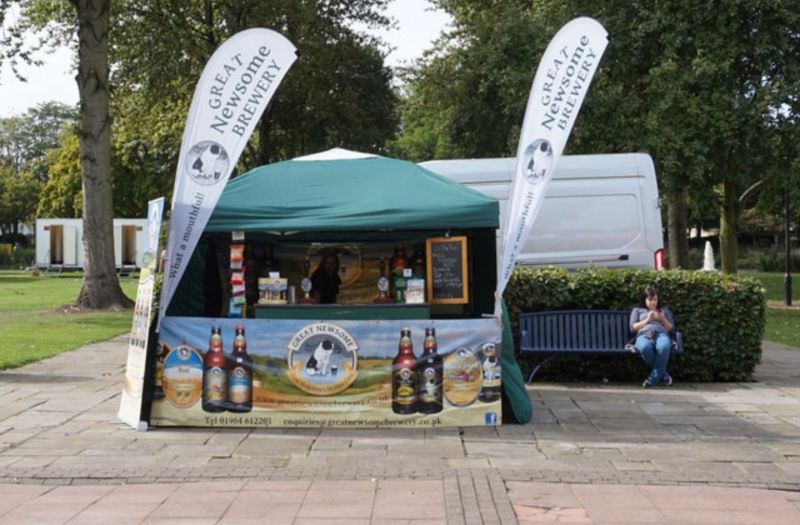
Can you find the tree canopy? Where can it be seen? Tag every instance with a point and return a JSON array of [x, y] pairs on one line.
[[696, 86], [337, 94], [25, 139], [710, 93]]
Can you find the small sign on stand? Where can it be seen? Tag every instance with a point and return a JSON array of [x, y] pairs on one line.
[[447, 270], [131, 401]]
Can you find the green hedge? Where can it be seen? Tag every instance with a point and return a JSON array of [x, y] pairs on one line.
[[721, 317], [20, 257]]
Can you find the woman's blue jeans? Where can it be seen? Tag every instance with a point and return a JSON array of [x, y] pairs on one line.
[[655, 355]]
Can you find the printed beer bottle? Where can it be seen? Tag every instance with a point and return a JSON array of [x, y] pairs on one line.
[[158, 383], [240, 375], [214, 374], [490, 382], [430, 374], [404, 376]]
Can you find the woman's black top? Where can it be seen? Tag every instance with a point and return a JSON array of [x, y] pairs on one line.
[[326, 284]]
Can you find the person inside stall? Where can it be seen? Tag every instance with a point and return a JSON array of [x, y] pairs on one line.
[[325, 280]]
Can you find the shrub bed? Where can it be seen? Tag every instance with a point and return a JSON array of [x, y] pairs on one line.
[[19, 258], [722, 318]]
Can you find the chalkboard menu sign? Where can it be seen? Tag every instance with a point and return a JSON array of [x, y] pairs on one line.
[[447, 270]]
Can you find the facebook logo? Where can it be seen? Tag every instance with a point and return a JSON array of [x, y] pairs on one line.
[[490, 418]]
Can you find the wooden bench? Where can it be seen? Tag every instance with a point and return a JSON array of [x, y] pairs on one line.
[[595, 332]]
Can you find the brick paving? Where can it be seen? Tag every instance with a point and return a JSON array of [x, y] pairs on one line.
[[591, 452]]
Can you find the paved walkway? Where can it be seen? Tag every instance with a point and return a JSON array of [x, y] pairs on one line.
[[694, 453]]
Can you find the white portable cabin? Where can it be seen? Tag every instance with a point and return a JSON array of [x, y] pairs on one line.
[[59, 243], [601, 210]]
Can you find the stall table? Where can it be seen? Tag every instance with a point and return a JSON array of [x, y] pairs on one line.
[[343, 311]]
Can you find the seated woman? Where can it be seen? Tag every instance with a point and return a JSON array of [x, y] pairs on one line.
[[325, 280], [652, 325]]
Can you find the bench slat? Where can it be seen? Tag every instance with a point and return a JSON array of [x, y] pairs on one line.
[[578, 332]]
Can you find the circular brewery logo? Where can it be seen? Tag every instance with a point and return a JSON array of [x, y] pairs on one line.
[[323, 359], [183, 376], [462, 377], [538, 160], [207, 162]]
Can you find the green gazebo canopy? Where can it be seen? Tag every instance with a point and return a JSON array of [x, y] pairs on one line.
[[354, 192], [347, 194]]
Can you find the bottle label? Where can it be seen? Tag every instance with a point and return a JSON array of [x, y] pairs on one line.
[[182, 378], [405, 391], [430, 390], [462, 377], [491, 373], [383, 284], [400, 285], [239, 386], [159, 373], [214, 384]]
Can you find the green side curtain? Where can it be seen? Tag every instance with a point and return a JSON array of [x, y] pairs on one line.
[[514, 393]]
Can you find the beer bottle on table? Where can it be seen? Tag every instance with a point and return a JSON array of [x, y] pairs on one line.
[[397, 264], [215, 379], [404, 376], [240, 375], [430, 374], [399, 260]]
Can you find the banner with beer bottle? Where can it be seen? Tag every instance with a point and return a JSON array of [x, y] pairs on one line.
[[132, 399], [349, 374]]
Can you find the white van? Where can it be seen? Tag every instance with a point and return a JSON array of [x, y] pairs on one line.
[[599, 210]]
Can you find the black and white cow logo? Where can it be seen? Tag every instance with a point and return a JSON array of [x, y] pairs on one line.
[[320, 360], [207, 163], [538, 161]]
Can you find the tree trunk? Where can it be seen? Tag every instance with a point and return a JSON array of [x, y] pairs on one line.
[[100, 288], [728, 220], [676, 231]]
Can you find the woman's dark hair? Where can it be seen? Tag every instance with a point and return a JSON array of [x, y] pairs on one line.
[[331, 254], [648, 293]]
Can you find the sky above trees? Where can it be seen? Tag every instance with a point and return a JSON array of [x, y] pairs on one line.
[[417, 26]]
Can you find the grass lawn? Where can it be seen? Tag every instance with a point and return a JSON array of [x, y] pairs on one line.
[[34, 326], [783, 325], [773, 283], [783, 322]]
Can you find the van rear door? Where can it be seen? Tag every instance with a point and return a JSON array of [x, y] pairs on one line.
[[599, 209]]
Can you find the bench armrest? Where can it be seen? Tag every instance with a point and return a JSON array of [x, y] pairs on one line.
[[524, 339], [677, 344]]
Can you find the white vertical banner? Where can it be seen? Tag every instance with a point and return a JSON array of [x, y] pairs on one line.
[[232, 93], [558, 90], [132, 398]]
